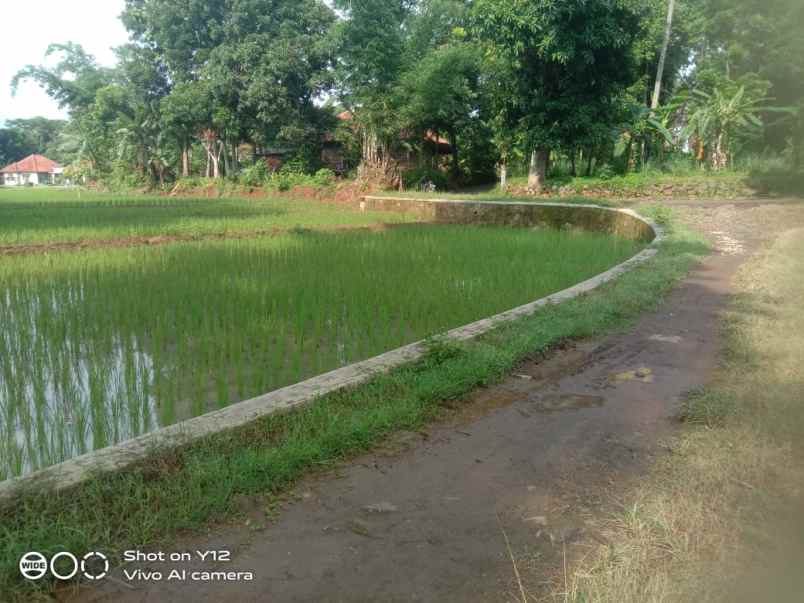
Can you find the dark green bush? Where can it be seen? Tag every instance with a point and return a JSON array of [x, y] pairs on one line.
[[777, 180], [419, 178]]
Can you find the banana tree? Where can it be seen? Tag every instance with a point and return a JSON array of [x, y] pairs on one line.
[[718, 118], [650, 130]]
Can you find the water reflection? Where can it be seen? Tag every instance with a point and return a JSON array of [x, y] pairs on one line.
[[55, 410]]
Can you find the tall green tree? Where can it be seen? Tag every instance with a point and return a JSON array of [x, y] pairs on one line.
[[258, 66], [14, 145], [761, 38], [441, 94], [74, 82], [560, 56], [371, 40], [40, 133]]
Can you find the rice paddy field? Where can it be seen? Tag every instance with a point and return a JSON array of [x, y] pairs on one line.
[[99, 346], [42, 216]]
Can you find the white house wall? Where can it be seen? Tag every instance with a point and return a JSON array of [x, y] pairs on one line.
[[21, 179]]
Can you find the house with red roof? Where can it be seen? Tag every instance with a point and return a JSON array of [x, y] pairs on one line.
[[31, 171]]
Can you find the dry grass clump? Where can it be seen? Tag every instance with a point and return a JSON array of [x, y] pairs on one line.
[[720, 518]]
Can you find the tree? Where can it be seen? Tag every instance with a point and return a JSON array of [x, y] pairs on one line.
[[718, 118], [73, 82], [254, 66], [560, 56], [185, 112], [14, 145], [182, 33], [440, 94], [432, 24], [268, 72], [759, 37], [371, 49], [40, 132]]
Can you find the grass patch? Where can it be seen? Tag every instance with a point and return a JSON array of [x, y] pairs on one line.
[[720, 519], [47, 215], [187, 489], [103, 346]]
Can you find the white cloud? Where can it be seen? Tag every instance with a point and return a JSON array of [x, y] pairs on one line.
[[27, 30]]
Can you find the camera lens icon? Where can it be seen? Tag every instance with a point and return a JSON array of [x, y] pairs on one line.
[[95, 566], [64, 566], [33, 566]]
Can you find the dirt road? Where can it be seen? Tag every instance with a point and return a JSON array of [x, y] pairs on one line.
[[438, 515]]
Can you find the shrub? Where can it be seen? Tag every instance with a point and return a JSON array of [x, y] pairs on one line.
[[420, 178], [778, 180], [324, 177], [606, 172], [254, 175], [123, 178]]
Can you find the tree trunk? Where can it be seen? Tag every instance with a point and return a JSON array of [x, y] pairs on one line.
[[657, 89], [504, 175], [377, 163], [456, 168], [370, 154], [720, 155], [589, 160], [630, 161], [573, 163], [537, 174], [185, 162], [223, 152]]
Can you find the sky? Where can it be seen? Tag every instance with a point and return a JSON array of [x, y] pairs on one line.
[[26, 35]]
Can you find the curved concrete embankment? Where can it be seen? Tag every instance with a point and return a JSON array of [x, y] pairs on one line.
[[595, 218], [623, 223]]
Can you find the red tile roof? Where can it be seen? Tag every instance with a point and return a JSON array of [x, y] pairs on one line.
[[31, 164]]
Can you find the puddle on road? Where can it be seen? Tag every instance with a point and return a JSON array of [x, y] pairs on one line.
[[645, 375], [555, 403]]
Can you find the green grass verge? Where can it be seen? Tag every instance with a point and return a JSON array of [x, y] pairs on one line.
[[187, 489], [47, 215]]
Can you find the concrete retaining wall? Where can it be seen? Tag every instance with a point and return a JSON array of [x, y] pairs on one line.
[[554, 215], [115, 458]]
